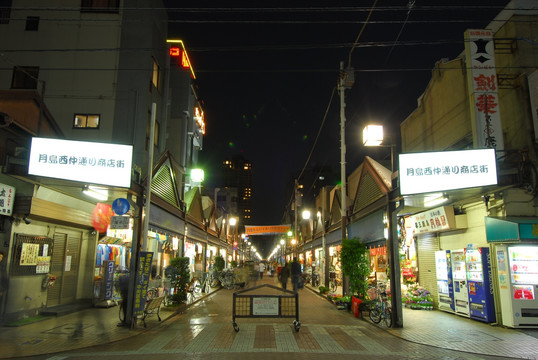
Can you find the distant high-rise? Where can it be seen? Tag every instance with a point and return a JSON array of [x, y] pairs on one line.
[[237, 173]]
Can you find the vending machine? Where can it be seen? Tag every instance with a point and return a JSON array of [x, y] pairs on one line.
[[459, 277], [517, 269], [445, 290], [481, 303]]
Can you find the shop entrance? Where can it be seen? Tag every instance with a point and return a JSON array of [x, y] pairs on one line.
[[65, 266]]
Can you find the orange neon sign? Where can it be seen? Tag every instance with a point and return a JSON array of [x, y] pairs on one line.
[[175, 52], [181, 53]]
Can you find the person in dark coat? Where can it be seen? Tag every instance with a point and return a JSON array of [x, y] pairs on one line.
[[284, 275], [295, 273], [124, 293]]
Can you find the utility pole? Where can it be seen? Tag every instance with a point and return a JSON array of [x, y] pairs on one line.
[[346, 81]]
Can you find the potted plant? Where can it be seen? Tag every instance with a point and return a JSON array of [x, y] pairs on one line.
[[179, 276], [355, 265]]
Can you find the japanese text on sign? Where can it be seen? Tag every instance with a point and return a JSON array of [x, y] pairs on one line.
[[7, 195], [142, 281]]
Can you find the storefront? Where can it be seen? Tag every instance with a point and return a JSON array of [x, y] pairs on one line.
[[372, 231], [195, 249], [514, 243]]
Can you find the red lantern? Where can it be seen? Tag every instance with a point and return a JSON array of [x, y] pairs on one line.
[[101, 217]]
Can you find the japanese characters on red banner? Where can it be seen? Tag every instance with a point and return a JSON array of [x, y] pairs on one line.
[[382, 250], [483, 78]]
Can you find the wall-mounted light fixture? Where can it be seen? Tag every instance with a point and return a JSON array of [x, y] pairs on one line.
[[95, 192]]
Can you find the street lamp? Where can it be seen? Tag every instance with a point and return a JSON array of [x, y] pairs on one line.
[[233, 223], [282, 243], [373, 136]]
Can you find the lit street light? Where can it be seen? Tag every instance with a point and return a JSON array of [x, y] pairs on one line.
[[373, 136]]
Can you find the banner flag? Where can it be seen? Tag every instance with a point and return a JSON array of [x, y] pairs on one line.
[[266, 229]]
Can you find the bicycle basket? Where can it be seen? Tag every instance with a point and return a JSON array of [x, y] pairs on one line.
[[372, 293]]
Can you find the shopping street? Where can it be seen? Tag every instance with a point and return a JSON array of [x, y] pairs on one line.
[[205, 330]]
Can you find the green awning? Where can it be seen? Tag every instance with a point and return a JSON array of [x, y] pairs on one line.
[[511, 229]]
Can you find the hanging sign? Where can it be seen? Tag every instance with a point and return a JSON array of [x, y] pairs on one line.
[[88, 162], [428, 172], [119, 222], [482, 80], [7, 196]]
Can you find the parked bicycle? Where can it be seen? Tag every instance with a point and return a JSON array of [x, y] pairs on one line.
[[334, 281], [380, 308]]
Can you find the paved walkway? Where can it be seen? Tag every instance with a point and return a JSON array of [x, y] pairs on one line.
[[207, 328]]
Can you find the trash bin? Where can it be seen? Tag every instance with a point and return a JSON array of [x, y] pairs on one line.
[[355, 303]]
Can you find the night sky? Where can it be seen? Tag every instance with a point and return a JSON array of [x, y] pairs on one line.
[[266, 76]]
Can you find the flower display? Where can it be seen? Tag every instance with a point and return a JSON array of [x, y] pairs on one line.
[[418, 298]]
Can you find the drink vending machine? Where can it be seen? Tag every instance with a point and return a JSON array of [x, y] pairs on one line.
[[459, 276], [517, 276], [481, 303], [445, 289]]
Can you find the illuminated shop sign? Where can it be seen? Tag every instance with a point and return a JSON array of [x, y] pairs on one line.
[[178, 51], [88, 162], [446, 170]]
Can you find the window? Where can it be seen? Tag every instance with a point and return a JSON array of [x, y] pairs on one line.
[[86, 121], [5, 11], [155, 76], [155, 135], [25, 77], [32, 23], [106, 6]]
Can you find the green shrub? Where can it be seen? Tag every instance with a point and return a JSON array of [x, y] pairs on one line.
[[219, 263], [355, 265], [180, 278]]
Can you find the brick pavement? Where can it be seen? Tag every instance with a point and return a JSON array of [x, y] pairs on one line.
[[206, 330]]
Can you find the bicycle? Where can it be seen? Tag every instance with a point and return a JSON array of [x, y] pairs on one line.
[[380, 309], [334, 282], [194, 289]]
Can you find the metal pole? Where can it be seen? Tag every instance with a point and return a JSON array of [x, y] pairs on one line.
[[343, 149], [149, 176], [394, 261], [295, 230]]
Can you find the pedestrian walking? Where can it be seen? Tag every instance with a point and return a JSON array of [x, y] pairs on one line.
[[284, 275], [295, 273], [261, 269], [124, 293]]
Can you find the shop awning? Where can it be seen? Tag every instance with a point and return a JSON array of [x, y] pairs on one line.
[[369, 229], [511, 229]]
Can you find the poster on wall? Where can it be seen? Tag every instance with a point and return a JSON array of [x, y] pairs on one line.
[[29, 254]]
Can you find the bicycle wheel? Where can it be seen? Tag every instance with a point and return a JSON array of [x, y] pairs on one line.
[[387, 316], [375, 312]]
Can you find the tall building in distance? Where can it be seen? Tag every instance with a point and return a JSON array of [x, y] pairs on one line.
[[237, 173]]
